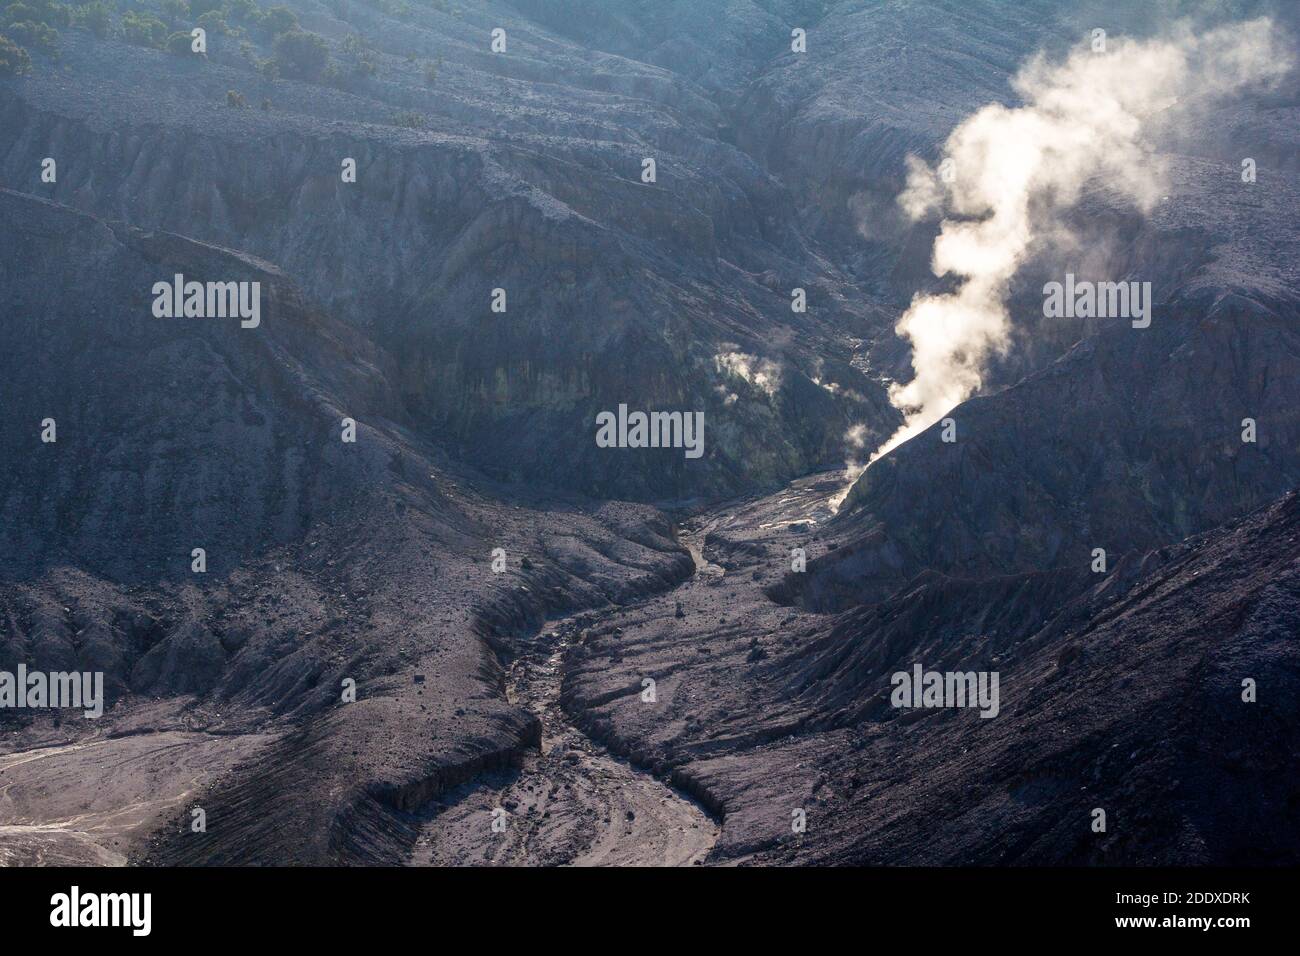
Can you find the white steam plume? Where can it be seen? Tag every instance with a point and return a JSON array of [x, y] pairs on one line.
[[1014, 171]]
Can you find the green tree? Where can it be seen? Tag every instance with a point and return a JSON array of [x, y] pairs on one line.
[[14, 60], [180, 44], [410, 120], [214, 24], [280, 20], [46, 12], [174, 11], [34, 36], [143, 29], [301, 54], [20, 13], [95, 17], [359, 56]]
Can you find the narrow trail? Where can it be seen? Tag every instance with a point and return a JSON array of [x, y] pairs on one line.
[[692, 536], [574, 802]]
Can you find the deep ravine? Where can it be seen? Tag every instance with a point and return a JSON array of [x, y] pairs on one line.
[[573, 802]]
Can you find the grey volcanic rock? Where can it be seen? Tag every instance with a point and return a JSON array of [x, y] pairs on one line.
[[172, 433], [622, 649], [327, 562], [1122, 692], [1145, 428], [524, 177]]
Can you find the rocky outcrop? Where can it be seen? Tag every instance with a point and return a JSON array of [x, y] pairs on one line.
[[348, 613], [1137, 692], [534, 189], [1146, 430]]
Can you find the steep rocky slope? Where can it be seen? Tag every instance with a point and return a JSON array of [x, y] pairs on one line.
[[523, 688], [521, 171], [326, 562], [1132, 440], [524, 175], [1121, 692]]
